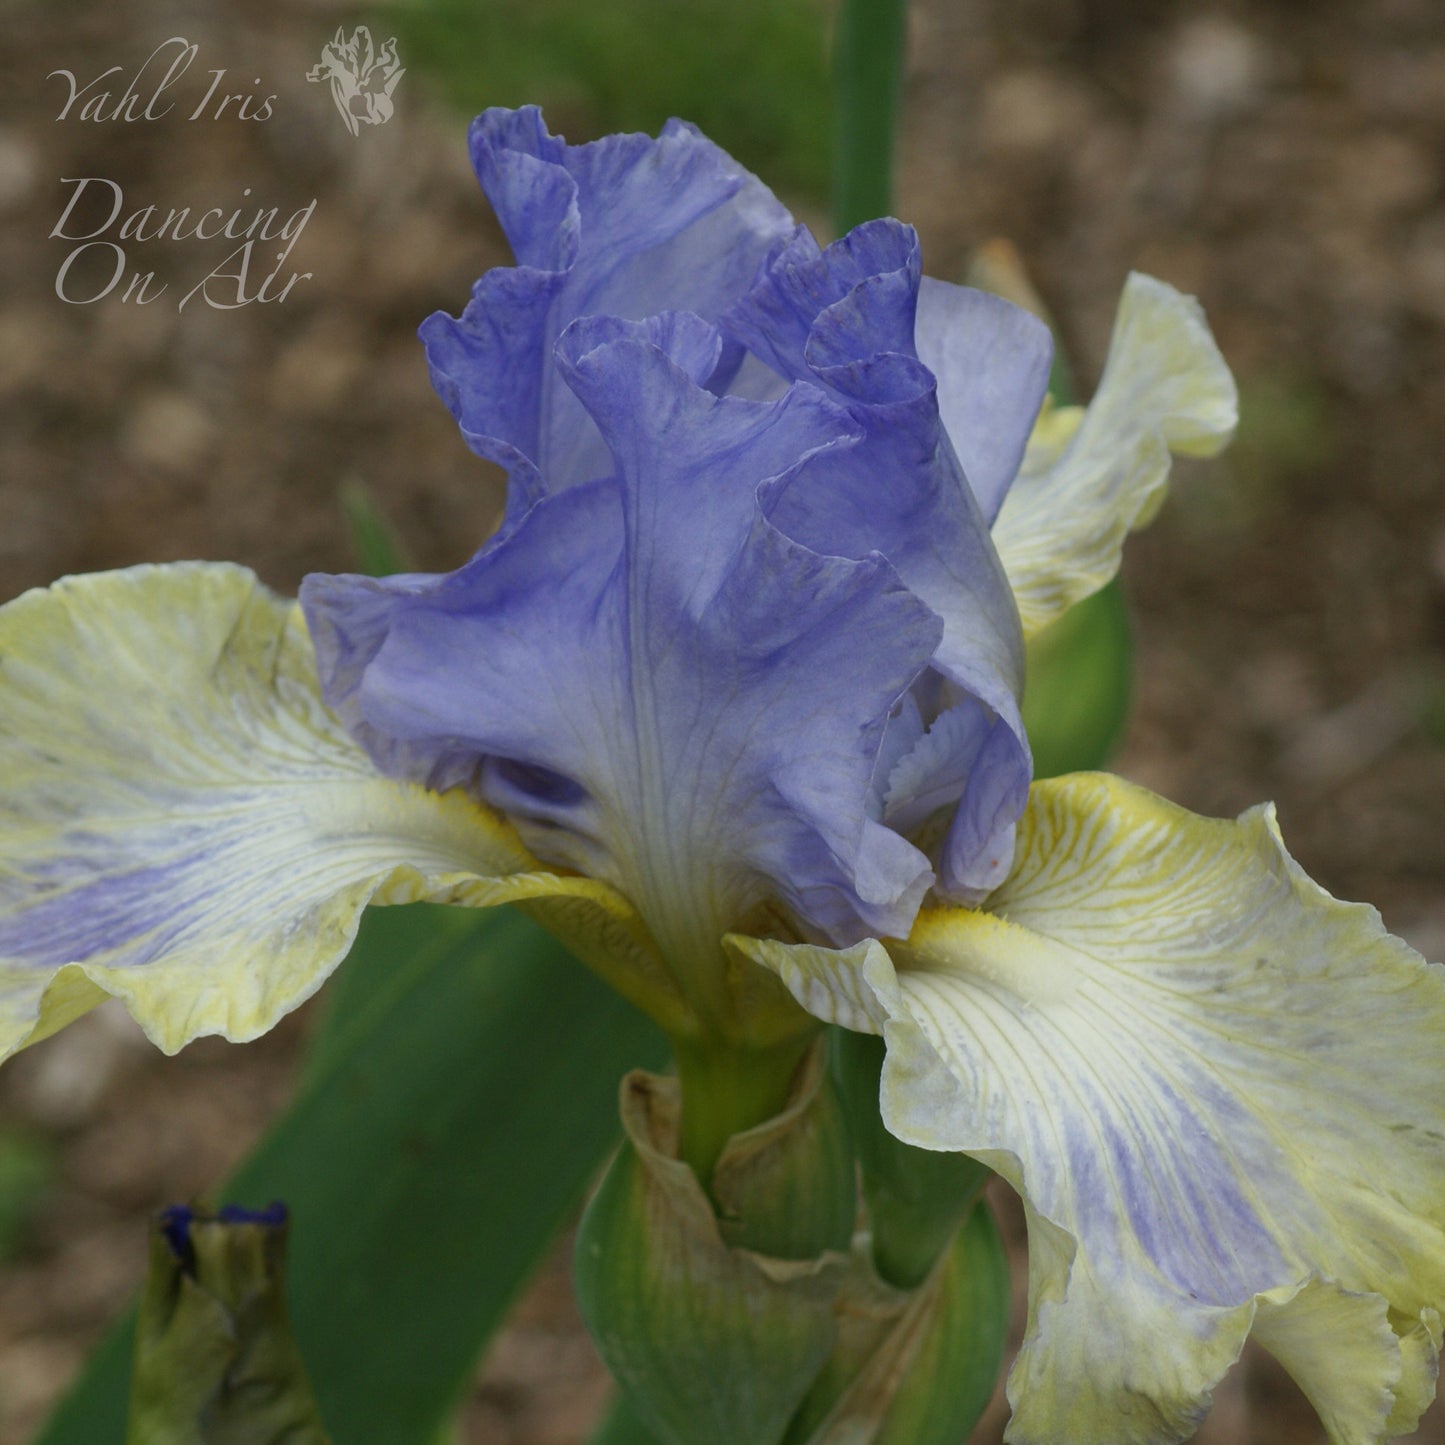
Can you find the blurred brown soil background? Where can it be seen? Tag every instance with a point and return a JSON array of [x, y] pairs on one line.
[[1283, 161]]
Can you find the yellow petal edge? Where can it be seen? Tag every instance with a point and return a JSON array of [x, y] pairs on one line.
[[1219, 1090], [1089, 477], [185, 826]]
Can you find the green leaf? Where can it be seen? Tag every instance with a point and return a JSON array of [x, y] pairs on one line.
[[620, 1426], [395, 948], [1076, 698], [376, 545], [27, 1168], [442, 1139], [751, 74]]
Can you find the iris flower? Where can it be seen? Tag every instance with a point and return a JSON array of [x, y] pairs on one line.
[[730, 701]]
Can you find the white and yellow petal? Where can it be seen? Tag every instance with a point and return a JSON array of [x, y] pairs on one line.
[[1089, 477], [1220, 1091], [185, 826]]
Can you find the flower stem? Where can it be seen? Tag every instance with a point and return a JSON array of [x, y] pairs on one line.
[[867, 78], [727, 1090]]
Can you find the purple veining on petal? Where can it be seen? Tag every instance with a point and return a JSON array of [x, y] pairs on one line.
[[96, 897], [147, 906], [1165, 1178]]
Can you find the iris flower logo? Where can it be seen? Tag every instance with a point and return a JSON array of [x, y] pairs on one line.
[[362, 77]]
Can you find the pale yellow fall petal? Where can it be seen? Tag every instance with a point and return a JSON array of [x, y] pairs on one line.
[[1089, 477], [185, 826], [1420, 1342], [1220, 1091], [1366, 1379]]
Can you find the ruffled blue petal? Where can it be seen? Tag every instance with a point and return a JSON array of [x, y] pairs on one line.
[[626, 226], [845, 317], [655, 683], [992, 360], [775, 320]]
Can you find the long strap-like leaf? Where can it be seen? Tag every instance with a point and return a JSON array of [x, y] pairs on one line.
[[444, 1136]]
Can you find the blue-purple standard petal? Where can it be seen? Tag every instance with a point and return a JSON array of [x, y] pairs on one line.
[[627, 226], [658, 686], [992, 361], [845, 318]]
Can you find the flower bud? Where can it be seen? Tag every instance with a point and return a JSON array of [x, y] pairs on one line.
[[715, 1343], [215, 1363]]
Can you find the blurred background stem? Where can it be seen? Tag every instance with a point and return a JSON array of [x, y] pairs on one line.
[[868, 75]]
